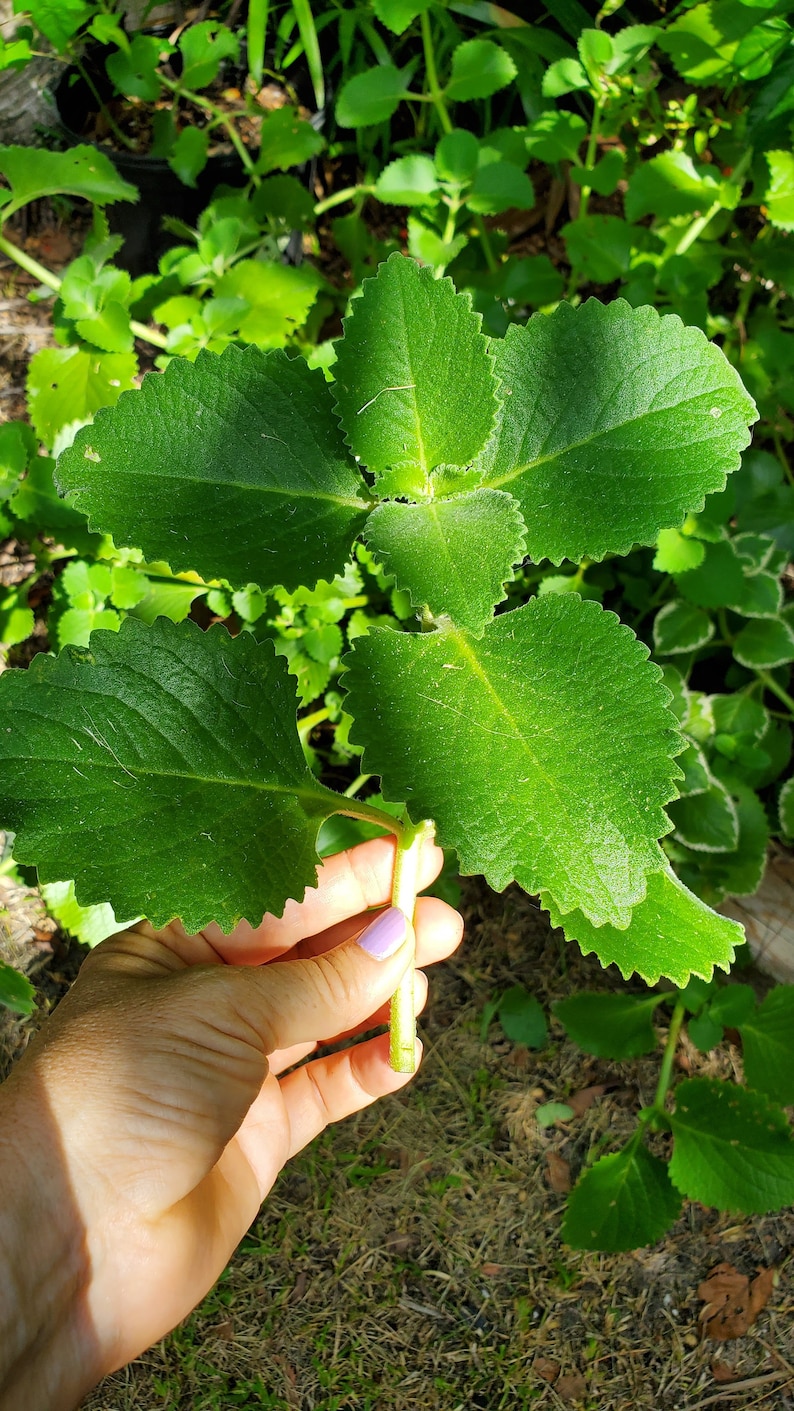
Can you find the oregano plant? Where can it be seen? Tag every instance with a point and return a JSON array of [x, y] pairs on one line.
[[161, 767]]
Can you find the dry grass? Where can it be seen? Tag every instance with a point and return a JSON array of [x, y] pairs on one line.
[[412, 1257]]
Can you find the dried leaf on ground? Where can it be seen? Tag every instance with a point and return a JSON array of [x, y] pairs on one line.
[[546, 1368], [571, 1387], [732, 1301], [722, 1371], [558, 1173], [586, 1097]]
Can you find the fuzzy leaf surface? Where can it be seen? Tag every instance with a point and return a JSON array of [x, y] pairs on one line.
[[518, 745], [254, 486], [414, 378], [733, 1148], [165, 733], [623, 1202], [610, 1025], [82, 171], [671, 933], [681, 627], [616, 423], [768, 1047], [453, 555]]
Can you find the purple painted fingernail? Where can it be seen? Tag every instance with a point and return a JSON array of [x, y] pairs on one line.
[[385, 935]]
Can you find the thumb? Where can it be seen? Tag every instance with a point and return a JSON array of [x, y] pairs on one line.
[[302, 1001]]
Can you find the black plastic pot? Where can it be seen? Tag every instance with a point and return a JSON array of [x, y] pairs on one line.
[[161, 192]]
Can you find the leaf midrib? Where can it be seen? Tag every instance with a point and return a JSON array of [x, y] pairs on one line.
[[287, 492]]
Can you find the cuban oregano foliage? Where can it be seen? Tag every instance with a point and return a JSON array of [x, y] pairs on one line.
[[539, 740]]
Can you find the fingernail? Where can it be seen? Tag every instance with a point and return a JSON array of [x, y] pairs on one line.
[[385, 935]]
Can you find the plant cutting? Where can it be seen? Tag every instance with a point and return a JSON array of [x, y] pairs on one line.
[[537, 741]]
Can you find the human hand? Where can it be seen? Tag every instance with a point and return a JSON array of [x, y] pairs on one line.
[[156, 1108]]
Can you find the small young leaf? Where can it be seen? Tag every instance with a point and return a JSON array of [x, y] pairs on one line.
[[398, 14], [97, 755], [705, 1032], [452, 555], [733, 1148], [33, 172], [371, 97], [500, 186], [671, 933], [670, 185], [286, 140], [765, 644], [550, 1112], [718, 581], [68, 385], [203, 47], [188, 156], [604, 176], [522, 1018], [16, 991], [279, 298], [680, 627], [623, 1202], [90, 924], [556, 136], [133, 71], [393, 407], [779, 195], [768, 1045], [696, 773], [602, 385], [610, 1025], [563, 76], [677, 552], [479, 69], [599, 247], [457, 155], [256, 485], [410, 181], [524, 732], [707, 822]]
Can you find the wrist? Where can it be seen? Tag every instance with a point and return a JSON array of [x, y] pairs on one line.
[[48, 1354]]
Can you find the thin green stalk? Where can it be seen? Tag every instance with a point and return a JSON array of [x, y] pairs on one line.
[[487, 247], [349, 193], [219, 118], [311, 48], [771, 685], [402, 1020], [666, 1070], [590, 156], [782, 457], [358, 783], [695, 230], [436, 92], [45, 276], [255, 37]]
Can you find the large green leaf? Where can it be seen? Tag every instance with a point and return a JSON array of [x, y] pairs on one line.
[[414, 378], [452, 555], [542, 750], [59, 20], [33, 172], [610, 1025], [768, 1044], [232, 466], [616, 423], [671, 933], [161, 768], [733, 1148], [626, 1200]]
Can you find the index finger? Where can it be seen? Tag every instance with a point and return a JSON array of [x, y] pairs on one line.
[[347, 883]]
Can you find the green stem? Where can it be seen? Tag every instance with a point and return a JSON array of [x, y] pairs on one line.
[[590, 156], [436, 92], [221, 118], [695, 230], [358, 783], [402, 1020], [350, 193], [487, 247], [45, 276], [666, 1070], [771, 685], [783, 458]]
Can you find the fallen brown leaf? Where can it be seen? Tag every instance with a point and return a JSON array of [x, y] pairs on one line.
[[732, 1302], [585, 1098], [491, 1270], [558, 1173], [722, 1372], [546, 1368], [571, 1387]]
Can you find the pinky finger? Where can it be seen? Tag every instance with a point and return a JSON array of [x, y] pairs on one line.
[[331, 1088]]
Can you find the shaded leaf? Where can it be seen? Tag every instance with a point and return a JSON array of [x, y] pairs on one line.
[[768, 1045], [371, 97], [610, 1025], [623, 1202], [733, 1148], [16, 991], [522, 1018], [680, 627]]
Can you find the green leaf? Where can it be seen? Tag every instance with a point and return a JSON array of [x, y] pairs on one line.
[[279, 297], [188, 156], [680, 627], [733, 1148], [696, 774], [133, 72], [33, 172], [17, 446], [707, 821], [732, 1005], [703, 41], [67, 385], [761, 595], [203, 47], [457, 156], [671, 933], [550, 1112], [718, 582], [58, 20], [677, 552], [398, 14], [522, 740], [16, 618], [736, 873], [16, 991], [394, 408], [563, 76], [98, 754], [522, 1018], [623, 1202], [500, 186], [610, 1025], [286, 140], [256, 487], [779, 196], [410, 181], [479, 69], [452, 555], [786, 808], [604, 176], [705, 1032], [599, 247], [768, 1045], [371, 97], [556, 136], [591, 389], [425, 244], [670, 185], [90, 924], [764, 643]]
